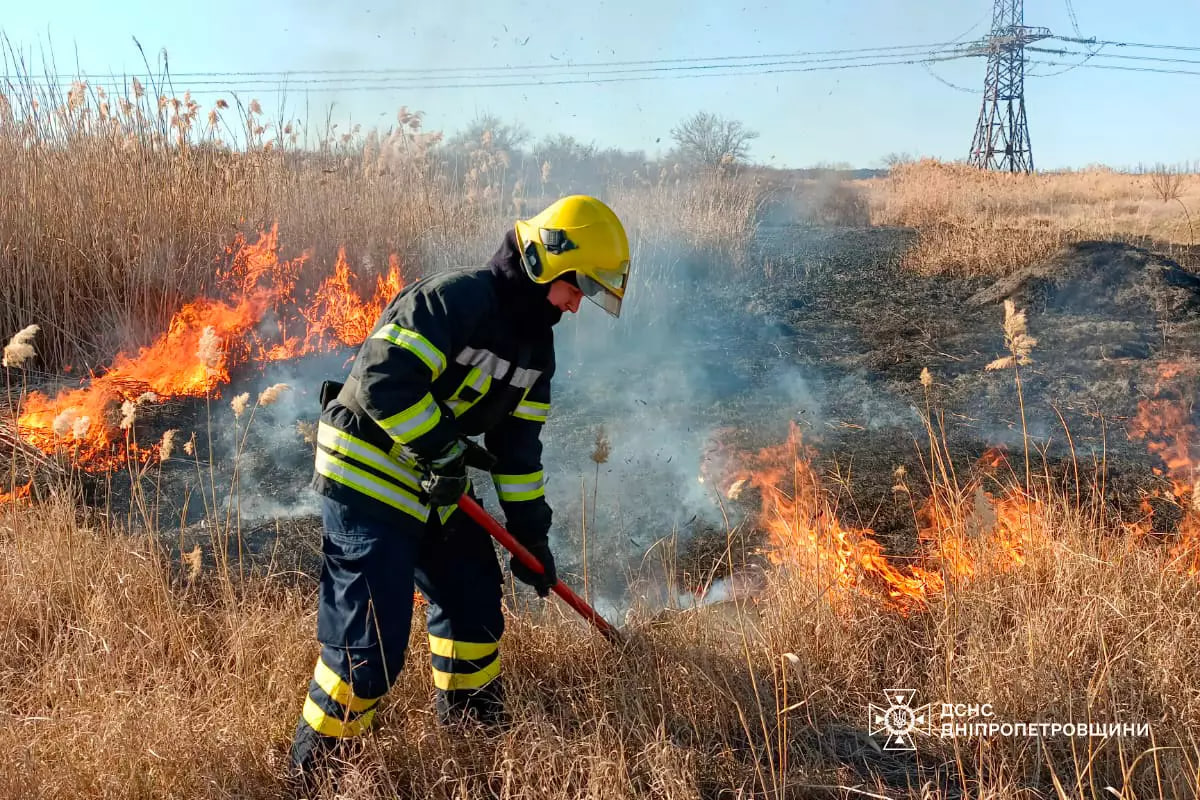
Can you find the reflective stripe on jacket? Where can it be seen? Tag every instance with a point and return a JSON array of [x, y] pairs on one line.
[[445, 360]]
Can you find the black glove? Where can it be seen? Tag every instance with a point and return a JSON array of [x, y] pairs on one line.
[[478, 457], [446, 479], [542, 583]]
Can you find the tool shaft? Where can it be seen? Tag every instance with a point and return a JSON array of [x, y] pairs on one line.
[[510, 543]]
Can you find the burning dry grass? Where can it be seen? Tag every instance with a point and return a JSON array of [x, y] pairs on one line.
[[131, 673], [972, 222]]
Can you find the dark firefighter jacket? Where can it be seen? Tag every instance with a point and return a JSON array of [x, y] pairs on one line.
[[457, 354]]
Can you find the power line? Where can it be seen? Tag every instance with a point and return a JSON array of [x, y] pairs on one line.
[[945, 82], [569, 78], [562, 72], [1119, 67], [1090, 55], [1114, 43], [365, 80], [1092, 50], [447, 72], [1074, 19], [957, 40], [1119, 56]]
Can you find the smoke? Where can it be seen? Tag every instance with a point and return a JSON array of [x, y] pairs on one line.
[[684, 362], [260, 463]]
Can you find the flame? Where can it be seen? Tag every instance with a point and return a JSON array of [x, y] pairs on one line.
[[17, 494], [337, 313], [1164, 421], [960, 538], [993, 458], [804, 532], [258, 320]]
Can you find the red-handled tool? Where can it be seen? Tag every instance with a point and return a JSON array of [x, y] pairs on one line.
[[510, 543]]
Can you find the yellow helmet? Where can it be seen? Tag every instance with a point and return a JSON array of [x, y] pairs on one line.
[[580, 235]]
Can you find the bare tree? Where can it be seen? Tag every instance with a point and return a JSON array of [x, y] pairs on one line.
[[712, 141], [1167, 182], [489, 131]]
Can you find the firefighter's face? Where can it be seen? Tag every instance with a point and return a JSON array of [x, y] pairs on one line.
[[564, 296]]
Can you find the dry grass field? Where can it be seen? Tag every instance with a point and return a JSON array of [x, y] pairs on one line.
[[972, 222], [132, 671]]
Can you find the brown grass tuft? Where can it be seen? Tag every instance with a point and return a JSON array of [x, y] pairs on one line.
[[271, 394], [128, 415], [19, 349], [210, 352], [602, 447], [239, 404], [166, 447], [64, 421], [80, 426], [1016, 339], [128, 676]]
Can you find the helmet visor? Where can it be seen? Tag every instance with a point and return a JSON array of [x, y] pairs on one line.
[[599, 294]]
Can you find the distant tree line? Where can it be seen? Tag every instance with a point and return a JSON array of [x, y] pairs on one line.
[[490, 151]]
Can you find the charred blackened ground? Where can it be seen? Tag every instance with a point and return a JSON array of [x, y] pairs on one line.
[[1110, 320]]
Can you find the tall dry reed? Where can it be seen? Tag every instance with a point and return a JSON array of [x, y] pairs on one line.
[[117, 206]]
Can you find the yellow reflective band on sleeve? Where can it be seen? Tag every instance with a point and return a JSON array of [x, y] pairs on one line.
[[326, 725], [520, 487], [412, 422], [347, 445], [362, 481], [339, 690], [534, 412], [451, 648], [416, 344], [449, 681], [476, 379]]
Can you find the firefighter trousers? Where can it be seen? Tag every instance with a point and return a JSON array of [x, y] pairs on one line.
[[363, 621]]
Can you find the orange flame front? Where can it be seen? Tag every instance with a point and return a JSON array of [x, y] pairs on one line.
[[257, 321], [1164, 422], [962, 535], [959, 539]]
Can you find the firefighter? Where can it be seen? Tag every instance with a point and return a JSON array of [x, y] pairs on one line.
[[454, 355]]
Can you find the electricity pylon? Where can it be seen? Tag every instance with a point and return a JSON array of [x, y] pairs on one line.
[[1002, 134]]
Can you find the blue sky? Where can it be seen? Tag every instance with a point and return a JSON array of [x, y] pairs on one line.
[[857, 116]]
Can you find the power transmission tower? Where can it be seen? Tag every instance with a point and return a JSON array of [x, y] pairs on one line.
[[1002, 134]]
